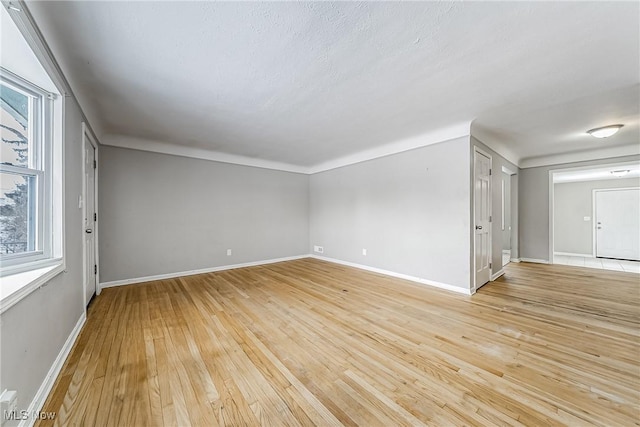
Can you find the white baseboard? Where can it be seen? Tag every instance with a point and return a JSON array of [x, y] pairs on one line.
[[534, 260], [497, 274], [433, 283], [574, 254], [515, 259], [440, 285], [193, 272], [45, 388]]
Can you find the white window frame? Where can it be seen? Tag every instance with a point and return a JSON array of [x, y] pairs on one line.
[[41, 166]]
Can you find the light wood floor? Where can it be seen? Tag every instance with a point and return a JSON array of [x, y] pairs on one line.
[[311, 343]]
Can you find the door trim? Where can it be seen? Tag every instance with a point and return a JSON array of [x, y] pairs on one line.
[[552, 196], [88, 137], [593, 213], [477, 149], [514, 241]]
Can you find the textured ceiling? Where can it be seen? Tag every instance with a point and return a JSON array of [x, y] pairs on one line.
[[306, 83]]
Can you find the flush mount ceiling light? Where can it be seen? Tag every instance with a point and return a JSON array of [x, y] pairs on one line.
[[604, 131]]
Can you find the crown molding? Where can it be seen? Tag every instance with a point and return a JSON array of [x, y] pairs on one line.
[[581, 156], [496, 144], [24, 21], [26, 24], [141, 144], [440, 135]]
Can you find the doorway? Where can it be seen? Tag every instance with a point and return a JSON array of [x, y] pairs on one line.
[[617, 216], [482, 217], [595, 216], [89, 212], [509, 218]]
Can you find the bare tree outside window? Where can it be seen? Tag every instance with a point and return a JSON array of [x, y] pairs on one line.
[[16, 208]]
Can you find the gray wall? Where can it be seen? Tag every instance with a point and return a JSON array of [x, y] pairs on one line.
[[35, 329], [497, 162], [163, 214], [572, 202], [409, 210], [534, 205]]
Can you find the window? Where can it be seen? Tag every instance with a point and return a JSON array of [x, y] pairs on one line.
[[25, 172]]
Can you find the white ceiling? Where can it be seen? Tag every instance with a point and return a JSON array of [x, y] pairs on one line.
[[308, 83]]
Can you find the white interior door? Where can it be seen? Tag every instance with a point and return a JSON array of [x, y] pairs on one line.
[[618, 223], [89, 218], [482, 218]]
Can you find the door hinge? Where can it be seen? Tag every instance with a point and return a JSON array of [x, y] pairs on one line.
[[95, 269], [490, 218], [489, 171], [95, 164], [95, 216], [490, 265]]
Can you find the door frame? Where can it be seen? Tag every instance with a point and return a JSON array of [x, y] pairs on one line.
[[90, 138], [477, 149], [552, 197], [593, 213], [513, 217]]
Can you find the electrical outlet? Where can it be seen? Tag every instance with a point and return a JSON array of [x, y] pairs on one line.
[[364, 252], [318, 249], [228, 252]]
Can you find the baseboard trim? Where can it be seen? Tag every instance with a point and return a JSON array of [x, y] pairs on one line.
[[433, 283], [515, 259], [497, 274], [573, 254], [45, 388], [194, 272], [534, 260]]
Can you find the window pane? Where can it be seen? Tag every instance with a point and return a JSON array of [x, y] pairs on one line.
[[14, 127], [17, 213]]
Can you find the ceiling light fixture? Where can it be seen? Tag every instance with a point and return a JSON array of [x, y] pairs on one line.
[[605, 131], [621, 172]]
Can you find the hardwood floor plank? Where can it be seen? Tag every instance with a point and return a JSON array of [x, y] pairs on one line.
[[169, 416], [307, 342]]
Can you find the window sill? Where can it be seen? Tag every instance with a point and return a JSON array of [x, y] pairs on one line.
[[18, 286]]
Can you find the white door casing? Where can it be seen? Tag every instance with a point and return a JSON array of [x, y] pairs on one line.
[[89, 215], [617, 222], [482, 217]]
